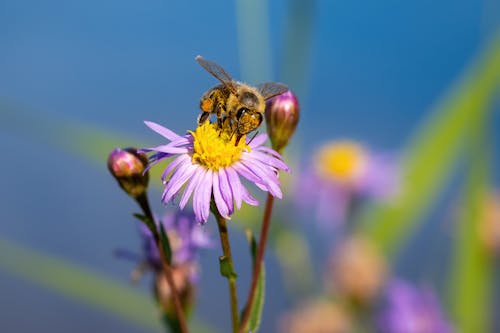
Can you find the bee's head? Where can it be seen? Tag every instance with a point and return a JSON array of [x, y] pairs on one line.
[[248, 120]]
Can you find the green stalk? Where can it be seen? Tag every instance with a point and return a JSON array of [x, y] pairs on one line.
[[227, 268]]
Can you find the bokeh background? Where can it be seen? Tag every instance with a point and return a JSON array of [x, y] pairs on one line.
[[77, 78]]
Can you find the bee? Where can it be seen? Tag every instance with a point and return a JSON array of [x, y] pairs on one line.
[[239, 107]]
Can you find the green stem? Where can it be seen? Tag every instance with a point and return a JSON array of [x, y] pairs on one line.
[[228, 271], [167, 269], [266, 222]]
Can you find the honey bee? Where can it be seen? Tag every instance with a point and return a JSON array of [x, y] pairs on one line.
[[239, 107]]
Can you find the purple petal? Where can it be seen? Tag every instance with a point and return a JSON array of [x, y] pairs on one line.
[[225, 189], [168, 149], [248, 198], [191, 186], [196, 196], [268, 177], [180, 176], [165, 132], [246, 172], [206, 195], [235, 183], [173, 165], [201, 198], [258, 140], [266, 159], [219, 201], [269, 151], [270, 160]]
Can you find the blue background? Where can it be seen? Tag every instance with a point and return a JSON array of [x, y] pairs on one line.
[[368, 70]]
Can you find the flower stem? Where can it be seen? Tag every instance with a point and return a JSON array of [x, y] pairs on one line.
[[228, 271], [258, 261], [144, 203]]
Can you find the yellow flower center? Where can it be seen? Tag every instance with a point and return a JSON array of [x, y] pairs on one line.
[[216, 149], [342, 161]]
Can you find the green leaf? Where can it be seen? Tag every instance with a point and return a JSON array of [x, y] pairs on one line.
[[258, 302], [473, 266], [150, 224], [226, 269], [85, 286], [165, 244], [430, 156]]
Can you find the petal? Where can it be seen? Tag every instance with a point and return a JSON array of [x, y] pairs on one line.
[[266, 159], [201, 198], [173, 165], [180, 176], [165, 132], [191, 186], [269, 151], [268, 177], [248, 198], [246, 172], [206, 195], [225, 190], [235, 183], [219, 201], [168, 149]]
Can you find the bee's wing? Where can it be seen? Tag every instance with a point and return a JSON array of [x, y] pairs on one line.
[[217, 71], [271, 89]]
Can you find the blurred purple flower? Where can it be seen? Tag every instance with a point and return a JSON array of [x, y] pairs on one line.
[[342, 174], [410, 310], [186, 239], [210, 163]]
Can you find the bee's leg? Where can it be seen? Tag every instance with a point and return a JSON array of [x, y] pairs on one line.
[[203, 117], [253, 137]]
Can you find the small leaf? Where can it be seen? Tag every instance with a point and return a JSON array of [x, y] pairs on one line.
[[253, 244], [258, 302], [147, 222], [226, 269], [165, 244]]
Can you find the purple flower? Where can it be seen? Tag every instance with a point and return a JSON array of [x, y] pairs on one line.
[[342, 174], [411, 310], [185, 237], [210, 163]]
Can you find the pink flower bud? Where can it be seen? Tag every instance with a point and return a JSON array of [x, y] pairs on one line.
[[127, 166], [282, 116]]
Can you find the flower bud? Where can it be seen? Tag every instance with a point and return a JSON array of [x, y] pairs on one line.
[[127, 166], [317, 316], [489, 225], [356, 270], [282, 116], [184, 286]]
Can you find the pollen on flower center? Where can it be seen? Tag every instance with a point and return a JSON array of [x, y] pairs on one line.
[[341, 161], [216, 149]]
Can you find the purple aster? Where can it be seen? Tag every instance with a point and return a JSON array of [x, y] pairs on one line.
[[342, 173], [209, 163], [411, 310], [185, 237]]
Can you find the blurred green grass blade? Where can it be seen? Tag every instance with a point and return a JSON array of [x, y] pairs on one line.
[[252, 18], [472, 273], [298, 39], [90, 141], [431, 155], [83, 285]]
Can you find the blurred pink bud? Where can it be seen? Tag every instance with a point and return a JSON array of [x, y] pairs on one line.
[[282, 116], [127, 166], [185, 289], [489, 226], [356, 270], [317, 316]]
